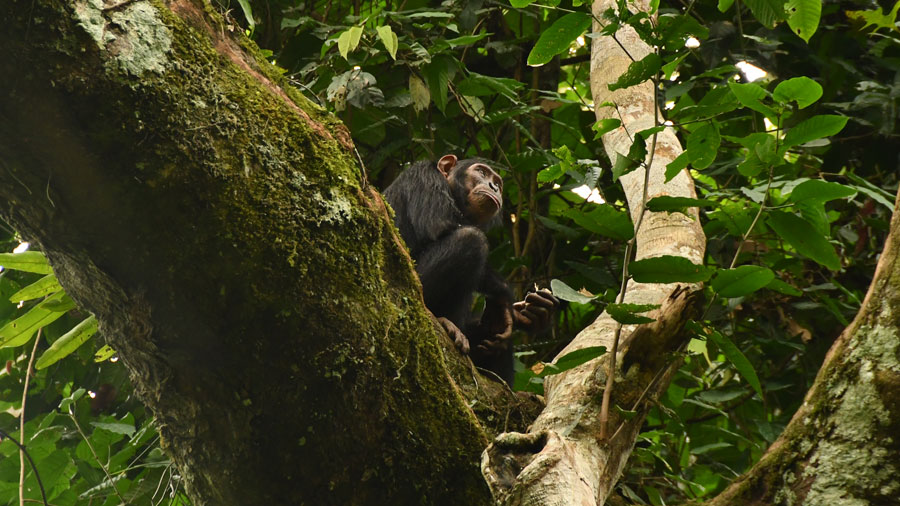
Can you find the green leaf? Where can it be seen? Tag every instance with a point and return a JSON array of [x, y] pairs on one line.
[[565, 292], [876, 17], [473, 106], [518, 4], [803, 17], [438, 75], [44, 286], [678, 204], [742, 280], [571, 360], [802, 90], [421, 97], [724, 5], [389, 39], [817, 127], [668, 269], [750, 96], [870, 190], [466, 40], [20, 330], [68, 401], [69, 342], [117, 428], [802, 236], [768, 12], [28, 261], [248, 13], [603, 219], [578, 357], [703, 145], [626, 314], [676, 166], [638, 72], [478, 85], [551, 173], [675, 29], [819, 190], [669, 68], [558, 37], [606, 125], [105, 353], [782, 287], [737, 358], [349, 40]]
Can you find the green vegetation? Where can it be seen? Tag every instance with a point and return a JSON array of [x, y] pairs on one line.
[[796, 173]]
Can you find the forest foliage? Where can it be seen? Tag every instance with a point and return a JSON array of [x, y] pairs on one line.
[[787, 112]]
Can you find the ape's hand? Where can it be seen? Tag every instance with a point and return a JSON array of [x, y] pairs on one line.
[[533, 314]]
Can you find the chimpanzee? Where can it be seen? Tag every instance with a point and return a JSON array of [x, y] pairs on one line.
[[442, 210]]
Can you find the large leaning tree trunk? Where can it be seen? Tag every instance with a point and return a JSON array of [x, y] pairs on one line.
[[843, 445], [564, 459], [219, 227]]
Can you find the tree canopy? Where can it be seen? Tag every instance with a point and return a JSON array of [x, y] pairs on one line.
[[783, 114]]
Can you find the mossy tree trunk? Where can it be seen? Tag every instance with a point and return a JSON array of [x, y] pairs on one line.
[[842, 445], [217, 224]]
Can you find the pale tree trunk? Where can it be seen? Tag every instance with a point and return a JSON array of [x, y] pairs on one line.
[[562, 460], [842, 445]]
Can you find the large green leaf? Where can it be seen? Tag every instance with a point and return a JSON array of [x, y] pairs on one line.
[[20, 330], [467, 40], [567, 293], [817, 127], [389, 39], [558, 37], [803, 17], [44, 286], [627, 314], [28, 261], [703, 145], [604, 219], [419, 93], [823, 191], [804, 238], [680, 204], [750, 96], [349, 40], [677, 165], [737, 358], [876, 17], [438, 75], [568, 361], [668, 269], [248, 13], [802, 90], [742, 280], [638, 72], [578, 357], [69, 342], [768, 12]]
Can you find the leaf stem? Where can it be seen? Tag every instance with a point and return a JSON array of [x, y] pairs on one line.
[[22, 422]]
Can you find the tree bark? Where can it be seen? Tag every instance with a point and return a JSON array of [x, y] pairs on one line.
[[562, 460], [216, 223], [841, 446]]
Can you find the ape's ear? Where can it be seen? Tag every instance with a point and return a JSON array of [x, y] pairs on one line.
[[446, 164]]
